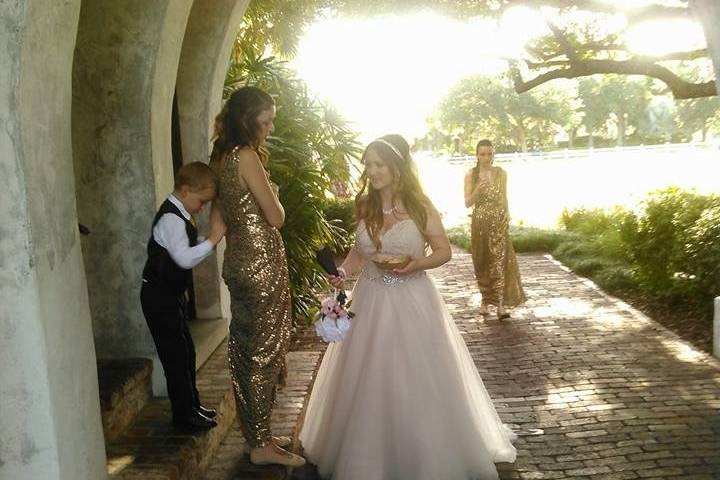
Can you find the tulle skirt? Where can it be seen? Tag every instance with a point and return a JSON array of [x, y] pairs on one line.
[[400, 398]]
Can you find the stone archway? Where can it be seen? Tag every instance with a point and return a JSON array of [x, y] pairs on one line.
[[209, 38], [123, 85]]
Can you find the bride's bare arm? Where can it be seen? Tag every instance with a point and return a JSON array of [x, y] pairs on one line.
[[353, 262]]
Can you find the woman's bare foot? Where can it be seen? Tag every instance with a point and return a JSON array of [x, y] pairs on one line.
[[502, 314], [272, 454]]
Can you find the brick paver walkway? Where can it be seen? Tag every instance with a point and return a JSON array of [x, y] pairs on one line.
[[595, 389]]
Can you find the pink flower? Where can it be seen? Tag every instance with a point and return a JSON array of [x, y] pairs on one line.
[[328, 308]]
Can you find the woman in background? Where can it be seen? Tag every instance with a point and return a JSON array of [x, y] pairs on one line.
[[496, 267]]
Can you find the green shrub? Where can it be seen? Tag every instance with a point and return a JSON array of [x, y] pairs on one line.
[[702, 254], [340, 213], [659, 241], [669, 250], [311, 148], [615, 277], [460, 236], [526, 239]]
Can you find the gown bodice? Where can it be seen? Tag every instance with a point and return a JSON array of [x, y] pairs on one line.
[[402, 238]]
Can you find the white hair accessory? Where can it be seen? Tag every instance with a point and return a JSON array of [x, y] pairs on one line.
[[391, 147]]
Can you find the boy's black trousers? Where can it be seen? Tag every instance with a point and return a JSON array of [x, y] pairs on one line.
[[166, 316]]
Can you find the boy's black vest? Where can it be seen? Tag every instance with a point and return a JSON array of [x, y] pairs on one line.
[[160, 270]]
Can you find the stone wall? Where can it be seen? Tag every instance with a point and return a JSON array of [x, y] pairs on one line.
[[211, 31], [123, 82], [50, 423]]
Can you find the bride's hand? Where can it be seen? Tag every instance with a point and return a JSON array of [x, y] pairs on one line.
[[337, 281], [412, 266]]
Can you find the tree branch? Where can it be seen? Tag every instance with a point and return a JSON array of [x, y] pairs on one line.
[[634, 15], [680, 88], [567, 48], [549, 60], [691, 55]]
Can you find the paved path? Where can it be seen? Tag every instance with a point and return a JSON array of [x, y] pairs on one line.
[[595, 389]]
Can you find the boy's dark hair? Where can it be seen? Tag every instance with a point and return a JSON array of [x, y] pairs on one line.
[[197, 176]]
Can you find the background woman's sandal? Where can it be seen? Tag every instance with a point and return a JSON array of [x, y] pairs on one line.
[[277, 457], [282, 441]]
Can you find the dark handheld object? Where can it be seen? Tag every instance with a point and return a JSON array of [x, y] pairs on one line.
[[327, 261], [83, 229]]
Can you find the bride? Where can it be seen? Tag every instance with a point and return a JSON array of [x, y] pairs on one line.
[[400, 397]]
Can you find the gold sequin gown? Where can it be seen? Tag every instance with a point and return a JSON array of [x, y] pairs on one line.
[[400, 397], [494, 260], [256, 273]]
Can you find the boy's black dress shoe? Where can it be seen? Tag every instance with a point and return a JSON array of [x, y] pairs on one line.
[[195, 420], [208, 412]]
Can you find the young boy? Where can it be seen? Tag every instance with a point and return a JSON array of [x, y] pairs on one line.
[[173, 250]]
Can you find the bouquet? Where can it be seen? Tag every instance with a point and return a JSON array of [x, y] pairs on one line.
[[333, 321]]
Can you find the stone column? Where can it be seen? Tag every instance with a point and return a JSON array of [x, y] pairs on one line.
[[50, 415], [211, 32], [124, 77]]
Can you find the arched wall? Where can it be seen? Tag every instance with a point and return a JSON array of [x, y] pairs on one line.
[[210, 35], [50, 423], [123, 82]]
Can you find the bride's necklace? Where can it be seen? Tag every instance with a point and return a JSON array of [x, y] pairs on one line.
[[389, 212]]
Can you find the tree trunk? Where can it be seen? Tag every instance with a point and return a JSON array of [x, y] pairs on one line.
[[522, 138], [708, 13], [621, 129], [571, 137], [591, 141]]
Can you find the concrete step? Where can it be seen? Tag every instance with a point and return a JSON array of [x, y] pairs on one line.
[[125, 387], [152, 448]]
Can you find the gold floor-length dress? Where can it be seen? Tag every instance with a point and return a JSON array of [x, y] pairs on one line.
[[496, 267], [256, 273]]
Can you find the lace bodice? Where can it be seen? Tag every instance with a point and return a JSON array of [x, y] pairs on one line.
[[403, 238]]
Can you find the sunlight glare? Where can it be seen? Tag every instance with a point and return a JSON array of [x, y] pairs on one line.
[[661, 37], [519, 25], [684, 352], [386, 74]]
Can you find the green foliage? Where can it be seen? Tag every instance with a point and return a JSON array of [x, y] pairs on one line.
[[671, 243], [537, 240], [460, 236], [340, 212], [614, 100], [699, 115], [670, 250], [277, 24], [524, 239], [311, 148], [702, 253], [482, 106]]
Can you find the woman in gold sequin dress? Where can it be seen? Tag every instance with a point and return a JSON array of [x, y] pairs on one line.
[[255, 269], [400, 397], [496, 267]]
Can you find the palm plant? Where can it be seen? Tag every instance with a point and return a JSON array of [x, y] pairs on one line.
[[311, 149]]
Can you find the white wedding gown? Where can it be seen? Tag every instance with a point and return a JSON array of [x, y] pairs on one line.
[[400, 398]]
